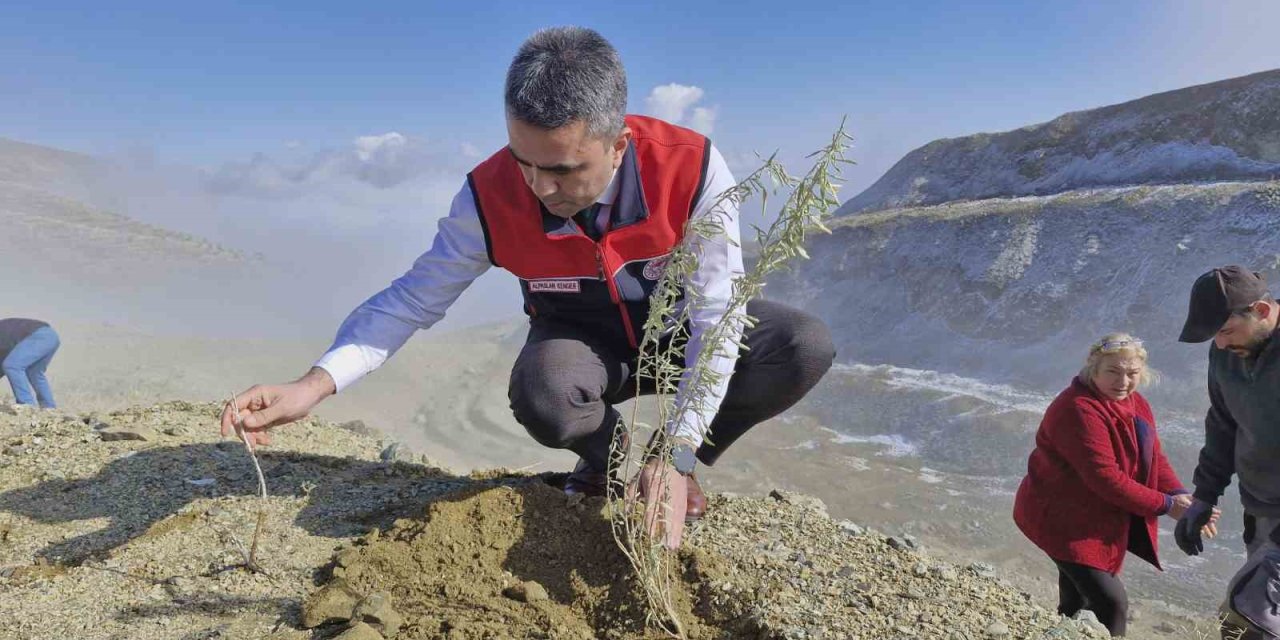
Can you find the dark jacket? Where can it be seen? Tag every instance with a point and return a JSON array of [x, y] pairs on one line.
[[15, 330], [1242, 430], [1096, 481]]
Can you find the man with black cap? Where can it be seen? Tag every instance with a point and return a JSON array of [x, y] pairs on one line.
[[1232, 306]]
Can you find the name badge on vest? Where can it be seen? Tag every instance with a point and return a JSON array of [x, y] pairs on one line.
[[555, 286]]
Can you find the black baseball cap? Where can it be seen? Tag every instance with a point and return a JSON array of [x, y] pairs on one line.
[[1216, 295]]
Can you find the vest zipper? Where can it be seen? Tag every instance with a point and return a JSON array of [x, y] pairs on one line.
[[617, 299]]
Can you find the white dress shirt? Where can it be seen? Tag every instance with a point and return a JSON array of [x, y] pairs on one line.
[[419, 298]]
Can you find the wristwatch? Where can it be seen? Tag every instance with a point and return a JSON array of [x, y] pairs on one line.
[[684, 457]]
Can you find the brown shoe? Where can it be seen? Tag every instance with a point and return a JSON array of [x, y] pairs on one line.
[[696, 505], [586, 481]]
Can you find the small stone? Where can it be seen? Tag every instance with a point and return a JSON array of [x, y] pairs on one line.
[[529, 591], [359, 427], [397, 452], [798, 499], [375, 610], [1087, 619], [851, 528], [347, 557], [359, 631], [117, 434], [334, 602], [900, 543], [983, 569], [998, 629], [920, 570]]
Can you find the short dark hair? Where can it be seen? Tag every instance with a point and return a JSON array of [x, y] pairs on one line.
[[1249, 311], [562, 75]]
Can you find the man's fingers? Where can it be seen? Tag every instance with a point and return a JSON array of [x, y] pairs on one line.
[[655, 503], [258, 438], [657, 519], [228, 420], [665, 507], [675, 523], [235, 410], [264, 418]]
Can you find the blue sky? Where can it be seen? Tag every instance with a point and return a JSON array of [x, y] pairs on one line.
[[206, 83]]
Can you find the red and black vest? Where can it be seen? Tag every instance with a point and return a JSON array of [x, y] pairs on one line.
[[567, 276]]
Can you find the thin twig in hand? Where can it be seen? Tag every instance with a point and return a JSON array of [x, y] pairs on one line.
[[251, 559]]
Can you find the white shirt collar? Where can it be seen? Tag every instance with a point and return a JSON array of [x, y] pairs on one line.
[[610, 192]]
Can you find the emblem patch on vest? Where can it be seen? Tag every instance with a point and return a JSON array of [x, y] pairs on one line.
[[654, 268], [555, 286]]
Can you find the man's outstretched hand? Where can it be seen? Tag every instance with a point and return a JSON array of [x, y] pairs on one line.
[[262, 407], [1200, 518], [666, 498]]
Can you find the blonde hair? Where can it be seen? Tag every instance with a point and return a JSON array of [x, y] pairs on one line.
[[1118, 344]]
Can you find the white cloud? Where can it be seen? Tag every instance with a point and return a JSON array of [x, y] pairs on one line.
[[703, 119], [382, 161], [367, 146], [676, 103], [671, 101]]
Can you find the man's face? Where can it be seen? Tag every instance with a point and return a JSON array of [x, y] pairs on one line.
[[1243, 334], [566, 168]]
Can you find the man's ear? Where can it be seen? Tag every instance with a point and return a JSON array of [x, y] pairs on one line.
[[619, 146], [1264, 309]]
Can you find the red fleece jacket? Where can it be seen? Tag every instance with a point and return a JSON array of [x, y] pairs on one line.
[[1083, 492]]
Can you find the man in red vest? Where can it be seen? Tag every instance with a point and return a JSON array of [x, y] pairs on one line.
[[584, 205]]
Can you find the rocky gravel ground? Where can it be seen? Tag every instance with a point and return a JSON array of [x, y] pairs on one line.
[[136, 524]]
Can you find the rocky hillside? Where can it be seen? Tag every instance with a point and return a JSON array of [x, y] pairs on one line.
[[36, 166], [135, 524], [1228, 130], [1001, 256], [65, 259], [1016, 289], [43, 216]]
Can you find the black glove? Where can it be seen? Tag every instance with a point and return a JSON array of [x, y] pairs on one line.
[[1187, 533]]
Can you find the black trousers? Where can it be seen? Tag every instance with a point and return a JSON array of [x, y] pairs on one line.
[[565, 382], [1081, 587]]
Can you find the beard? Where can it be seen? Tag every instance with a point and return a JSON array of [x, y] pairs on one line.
[[1253, 345]]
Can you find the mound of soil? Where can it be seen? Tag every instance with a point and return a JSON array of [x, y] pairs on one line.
[[518, 559]]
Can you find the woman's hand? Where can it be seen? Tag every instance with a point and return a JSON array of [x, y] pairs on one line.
[[1210, 530], [1179, 506]]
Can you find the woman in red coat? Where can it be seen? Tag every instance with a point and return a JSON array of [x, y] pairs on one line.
[[1097, 480]]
